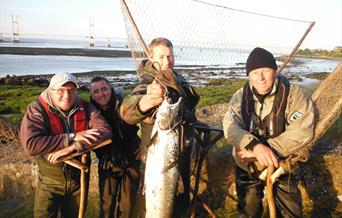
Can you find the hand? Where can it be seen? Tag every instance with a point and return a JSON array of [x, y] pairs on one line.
[[247, 155], [87, 135], [265, 155], [52, 157], [154, 96]]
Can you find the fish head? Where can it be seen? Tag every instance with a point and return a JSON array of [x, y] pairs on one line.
[[169, 114]]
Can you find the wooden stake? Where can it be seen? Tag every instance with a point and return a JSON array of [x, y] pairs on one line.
[[288, 58], [84, 189]]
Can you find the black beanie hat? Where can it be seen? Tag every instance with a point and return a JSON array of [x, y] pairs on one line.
[[259, 58]]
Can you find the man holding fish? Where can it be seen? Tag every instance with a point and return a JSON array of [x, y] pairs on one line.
[[160, 84]]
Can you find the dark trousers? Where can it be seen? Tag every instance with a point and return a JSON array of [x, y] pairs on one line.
[[116, 189], [250, 193], [50, 204], [57, 191]]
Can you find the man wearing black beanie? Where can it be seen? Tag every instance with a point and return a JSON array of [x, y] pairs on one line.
[[268, 120], [260, 58]]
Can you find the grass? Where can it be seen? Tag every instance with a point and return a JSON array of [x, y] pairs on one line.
[[14, 99], [25, 209], [218, 94]]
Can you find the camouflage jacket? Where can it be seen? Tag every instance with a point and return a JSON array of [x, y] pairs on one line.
[[130, 112]]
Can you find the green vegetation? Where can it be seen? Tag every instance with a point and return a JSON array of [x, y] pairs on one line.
[[318, 76], [318, 53], [25, 208], [218, 94], [15, 98]]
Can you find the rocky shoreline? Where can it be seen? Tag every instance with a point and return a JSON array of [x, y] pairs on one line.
[[126, 79]]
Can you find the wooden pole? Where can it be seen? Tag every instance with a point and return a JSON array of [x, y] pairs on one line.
[[288, 58], [135, 28], [269, 193], [77, 164], [84, 188]]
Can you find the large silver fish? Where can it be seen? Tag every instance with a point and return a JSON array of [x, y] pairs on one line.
[[161, 173]]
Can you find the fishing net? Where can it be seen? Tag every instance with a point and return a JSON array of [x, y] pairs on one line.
[[206, 35], [9, 142]]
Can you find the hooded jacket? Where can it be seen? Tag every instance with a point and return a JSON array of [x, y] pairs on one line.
[[36, 137]]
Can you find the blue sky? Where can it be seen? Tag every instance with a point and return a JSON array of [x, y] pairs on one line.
[[71, 17]]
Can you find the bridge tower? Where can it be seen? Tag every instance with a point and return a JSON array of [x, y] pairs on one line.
[[15, 29], [91, 32], [109, 43]]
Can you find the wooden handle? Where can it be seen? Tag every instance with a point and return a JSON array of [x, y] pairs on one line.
[[76, 153]]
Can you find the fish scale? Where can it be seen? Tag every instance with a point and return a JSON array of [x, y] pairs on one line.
[[161, 174]]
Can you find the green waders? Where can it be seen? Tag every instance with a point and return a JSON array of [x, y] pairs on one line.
[[58, 190]]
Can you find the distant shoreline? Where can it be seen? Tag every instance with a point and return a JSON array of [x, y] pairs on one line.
[[93, 52], [66, 51], [317, 57]]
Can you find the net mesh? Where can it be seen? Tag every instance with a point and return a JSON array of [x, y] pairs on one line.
[[206, 35]]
